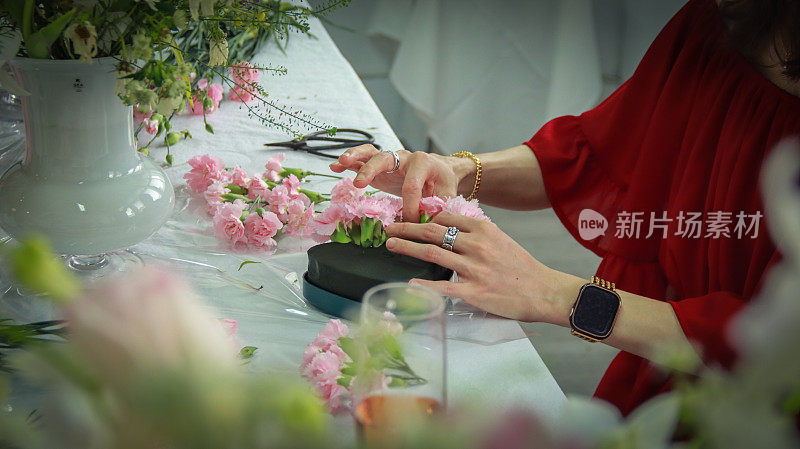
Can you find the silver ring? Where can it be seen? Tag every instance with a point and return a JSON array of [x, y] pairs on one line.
[[450, 238], [396, 160]]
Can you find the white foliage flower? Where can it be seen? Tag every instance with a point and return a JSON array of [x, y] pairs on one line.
[[218, 53], [83, 37]]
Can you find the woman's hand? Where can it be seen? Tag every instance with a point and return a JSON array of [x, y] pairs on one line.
[[420, 174], [494, 272]]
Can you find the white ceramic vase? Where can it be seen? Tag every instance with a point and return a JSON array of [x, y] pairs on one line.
[[82, 182]]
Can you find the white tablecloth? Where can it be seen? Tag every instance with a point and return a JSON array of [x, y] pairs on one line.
[[488, 358]]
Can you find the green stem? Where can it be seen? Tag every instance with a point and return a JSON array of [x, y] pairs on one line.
[[311, 173], [27, 19]]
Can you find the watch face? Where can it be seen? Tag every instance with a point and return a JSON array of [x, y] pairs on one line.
[[595, 311]]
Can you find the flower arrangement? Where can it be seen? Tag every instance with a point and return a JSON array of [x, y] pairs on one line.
[[344, 369], [359, 218], [167, 52]]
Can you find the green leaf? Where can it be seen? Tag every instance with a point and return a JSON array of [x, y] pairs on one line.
[[349, 370], [392, 347], [350, 347], [236, 189], [397, 383], [344, 381], [209, 128], [247, 352], [38, 43], [340, 235], [245, 263], [231, 197]]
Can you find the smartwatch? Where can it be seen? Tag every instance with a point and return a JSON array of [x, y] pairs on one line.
[[595, 311]]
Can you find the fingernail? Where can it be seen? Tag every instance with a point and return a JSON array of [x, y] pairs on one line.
[[413, 282], [391, 243]]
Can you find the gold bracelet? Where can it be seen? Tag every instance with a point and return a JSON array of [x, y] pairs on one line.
[[478, 172]]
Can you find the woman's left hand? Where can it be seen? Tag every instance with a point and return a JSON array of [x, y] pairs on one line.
[[494, 272]]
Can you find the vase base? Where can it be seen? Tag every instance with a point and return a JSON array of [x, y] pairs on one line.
[[87, 263], [93, 268]]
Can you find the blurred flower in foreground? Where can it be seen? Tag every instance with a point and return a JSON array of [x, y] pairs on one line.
[[146, 365]]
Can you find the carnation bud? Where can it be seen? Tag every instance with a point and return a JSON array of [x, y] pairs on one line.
[[144, 150], [313, 196], [170, 159], [208, 103], [172, 138]]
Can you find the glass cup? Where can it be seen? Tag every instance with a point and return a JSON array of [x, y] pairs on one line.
[[403, 327]]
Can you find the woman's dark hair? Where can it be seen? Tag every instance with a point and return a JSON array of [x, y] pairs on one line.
[[758, 25]]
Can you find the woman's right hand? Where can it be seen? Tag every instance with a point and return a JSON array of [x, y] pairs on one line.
[[420, 174]]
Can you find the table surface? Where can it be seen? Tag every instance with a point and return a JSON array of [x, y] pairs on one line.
[[489, 358]]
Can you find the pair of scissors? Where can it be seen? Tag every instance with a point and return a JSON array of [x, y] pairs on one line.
[[339, 141]]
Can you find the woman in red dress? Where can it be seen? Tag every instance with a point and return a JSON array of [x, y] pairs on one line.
[[671, 160]]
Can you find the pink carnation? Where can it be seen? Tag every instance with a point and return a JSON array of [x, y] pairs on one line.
[[333, 330], [431, 205], [278, 199], [336, 397], [151, 126], [298, 215], [274, 167], [344, 191], [323, 360], [245, 77], [244, 72], [212, 91], [292, 184], [213, 196], [377, 207], [256, 188], [205, 170], [228, 223], [261, 230], [138, 117], [324, 224], [239, 177], [238, 94], [460, 206], [325, 366]]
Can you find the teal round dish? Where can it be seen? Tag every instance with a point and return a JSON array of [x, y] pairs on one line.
[[328, 302]]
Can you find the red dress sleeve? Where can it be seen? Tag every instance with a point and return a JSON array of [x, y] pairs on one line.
[[687, 133]]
